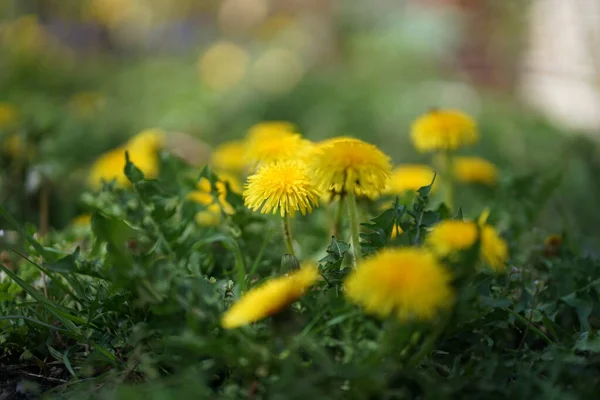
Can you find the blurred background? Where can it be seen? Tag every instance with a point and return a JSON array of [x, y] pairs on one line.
[[83, 76]]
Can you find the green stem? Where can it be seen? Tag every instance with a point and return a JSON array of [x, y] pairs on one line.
[[449, 179], [354, 226], [258, 258], [337, 223], [287, 235], [431, 340]]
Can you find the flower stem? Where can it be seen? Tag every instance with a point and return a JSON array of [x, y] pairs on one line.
[[449, 179], [354, 226], [431, 340], [287, 235], [337, 223]]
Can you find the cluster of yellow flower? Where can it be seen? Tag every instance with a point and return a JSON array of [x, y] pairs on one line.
[[289, 174]]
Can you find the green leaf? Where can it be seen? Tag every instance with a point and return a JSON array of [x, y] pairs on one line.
[[66, 264], [133, 173], [335, 251], [32, 320], [588, 342], [425, 190], [63, 317], [582, 307], [115, 233], [381, 228], [16, 226]]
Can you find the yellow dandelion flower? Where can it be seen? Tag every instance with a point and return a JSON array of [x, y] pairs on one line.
[[270, 297], [16, 147], [109, 167], [209, 217], [350, 165], [204, 195], [149, 139], [275, 141], [397, 231], [143, 152], [410, 177], [407, 282], [451, 236], [475, 170], [9, 116], [494, 249], [268, 128], [229, 156], [553, 241], [234, 182], [443, 130], [283, 186], [82, 220]]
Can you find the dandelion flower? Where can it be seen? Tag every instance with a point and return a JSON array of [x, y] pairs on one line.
[[475, 170], [407, 282], [443, 130], [268, 128], [16, 147], [451, 236], [8, 116], [229, 156], [232, 180], [494, 249], [82, 220], [270, 297], [397, 231], [410, 177], [209, 217], [350, 165], [204, 195], [149, 139], [553, 241], [275, 141], [283, 186], [143, 152]]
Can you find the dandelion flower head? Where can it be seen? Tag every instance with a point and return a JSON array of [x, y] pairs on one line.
[[494, 249], [9, 116], [443, 130], [350, 165], [452, 236], [475, 170], [284, 187], [410, 177], [407, 282], [82, 220], [215, 199], [396, 231], [229, 156], [143, 152], [275, 141], [270, 297]]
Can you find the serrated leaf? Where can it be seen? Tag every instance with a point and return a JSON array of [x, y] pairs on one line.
[[133, 173], [381, 228], [65, 264]]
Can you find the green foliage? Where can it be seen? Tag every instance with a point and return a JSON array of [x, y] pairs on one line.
[[133, 308], [130, 307]]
